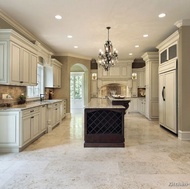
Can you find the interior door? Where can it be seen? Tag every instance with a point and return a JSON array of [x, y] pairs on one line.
[[77, 89]]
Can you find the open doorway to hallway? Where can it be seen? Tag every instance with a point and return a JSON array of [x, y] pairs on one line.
[[77, 91]]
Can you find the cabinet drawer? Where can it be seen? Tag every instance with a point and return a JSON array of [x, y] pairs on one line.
[[30, 111]]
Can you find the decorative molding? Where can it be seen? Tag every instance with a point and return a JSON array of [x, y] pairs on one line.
[[184, 135], [24, 32], [185, 22], [173, 38], [152, 56], [17, 26]]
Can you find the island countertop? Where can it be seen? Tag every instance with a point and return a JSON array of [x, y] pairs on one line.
[[98, 103]]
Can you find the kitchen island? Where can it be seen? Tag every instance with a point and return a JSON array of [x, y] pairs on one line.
[[103, 124]]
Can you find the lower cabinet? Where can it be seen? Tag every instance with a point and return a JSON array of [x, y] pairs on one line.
[[43, 118], [63, 109], [20, 127], [9, 131], [141, 105], [55, 114], [30, 125], [133, 105]]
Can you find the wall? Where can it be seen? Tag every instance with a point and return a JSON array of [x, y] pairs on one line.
[[64, 91], [183, 79]]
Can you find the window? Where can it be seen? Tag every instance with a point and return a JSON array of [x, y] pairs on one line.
[[35, 91]]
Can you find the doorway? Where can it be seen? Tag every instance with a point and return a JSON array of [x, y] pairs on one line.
[[77, 89]]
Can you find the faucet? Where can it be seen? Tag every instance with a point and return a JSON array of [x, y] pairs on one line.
[[42, 97]]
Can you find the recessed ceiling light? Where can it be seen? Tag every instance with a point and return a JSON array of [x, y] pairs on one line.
[[145, 35], [69, 36], [76, 47], [130, 54], [161, 15], [136, 46], [58, 17]]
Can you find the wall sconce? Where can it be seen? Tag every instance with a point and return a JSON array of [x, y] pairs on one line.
[[134, 76], [94, 76]]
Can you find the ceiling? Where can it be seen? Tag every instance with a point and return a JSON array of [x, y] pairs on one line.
[[86, 21]]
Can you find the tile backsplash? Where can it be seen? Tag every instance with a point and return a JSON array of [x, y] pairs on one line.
[[13, 91]]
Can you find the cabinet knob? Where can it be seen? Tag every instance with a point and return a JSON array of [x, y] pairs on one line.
[[21, 81]]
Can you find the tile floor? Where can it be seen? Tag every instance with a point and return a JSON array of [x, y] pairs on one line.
[[153, 158]]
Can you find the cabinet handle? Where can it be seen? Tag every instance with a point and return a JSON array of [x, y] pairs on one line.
[[163, 92], [32, 111], [21, 81], [32, 117]]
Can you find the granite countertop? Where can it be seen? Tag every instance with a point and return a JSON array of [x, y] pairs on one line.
[[97, 103], [29, 105]]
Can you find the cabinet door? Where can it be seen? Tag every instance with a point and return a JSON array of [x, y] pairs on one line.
[[170, 99], [43, 122], [167, 100], [35, 125], [55, 77], [15, 59], [25, 67], [3, 62], [162, 99], [26, 130], [58, 77], [33, 70]]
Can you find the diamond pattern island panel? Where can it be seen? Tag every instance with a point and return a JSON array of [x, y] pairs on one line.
[[104, 122]]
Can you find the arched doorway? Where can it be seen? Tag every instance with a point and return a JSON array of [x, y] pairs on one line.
[[78, 87]]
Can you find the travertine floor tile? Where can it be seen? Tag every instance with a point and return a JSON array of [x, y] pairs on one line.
[[153, 158]]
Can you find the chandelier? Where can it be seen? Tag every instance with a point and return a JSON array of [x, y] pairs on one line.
[[109, 57]]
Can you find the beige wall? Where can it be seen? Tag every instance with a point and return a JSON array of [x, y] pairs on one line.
[[183, 79], [64, 92]]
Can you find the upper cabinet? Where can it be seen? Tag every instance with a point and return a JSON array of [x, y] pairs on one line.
[[53, 74], [168, 48], [140, 77], [18, 60]]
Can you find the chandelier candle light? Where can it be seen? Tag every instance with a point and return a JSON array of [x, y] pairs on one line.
[[109, 57]]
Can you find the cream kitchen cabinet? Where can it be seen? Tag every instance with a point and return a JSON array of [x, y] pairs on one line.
[[141, 78], [43, 118], [30, 124], [18, 59], [167, 100], [141, 105], [168, 82], [63, 109], [9, 131], [133, 107], [56, 114], [151, 82], [53, 74]]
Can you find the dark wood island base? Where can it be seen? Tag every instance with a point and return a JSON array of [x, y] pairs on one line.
[[103, 124]]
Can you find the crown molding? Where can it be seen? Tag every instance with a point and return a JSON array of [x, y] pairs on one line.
[[17, 26], [185, 22], [23, 31]]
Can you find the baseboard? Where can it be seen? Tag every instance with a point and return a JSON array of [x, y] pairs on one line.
[[184, 135]]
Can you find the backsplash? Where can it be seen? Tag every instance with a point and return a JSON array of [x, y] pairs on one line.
[[13, 91]]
